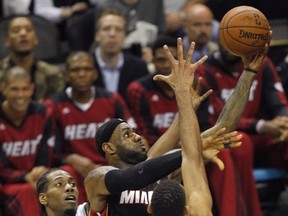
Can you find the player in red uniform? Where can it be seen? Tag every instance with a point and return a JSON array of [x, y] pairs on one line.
[[25, 137], [153, 105], [79, 110], [265, 104]]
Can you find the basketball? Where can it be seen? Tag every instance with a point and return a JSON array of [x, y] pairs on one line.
[[244, 30]]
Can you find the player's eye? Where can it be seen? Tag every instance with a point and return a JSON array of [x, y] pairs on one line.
[[59, 184]]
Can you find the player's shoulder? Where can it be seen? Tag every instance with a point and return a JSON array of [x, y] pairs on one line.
[[99, 172]]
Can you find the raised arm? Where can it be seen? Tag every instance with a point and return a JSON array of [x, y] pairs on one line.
[[233, 109], [197, 192]]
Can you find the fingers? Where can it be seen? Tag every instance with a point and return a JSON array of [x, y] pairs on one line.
[[189, 54], [235, 138], [159, 77], [169, 55], [205, 95], [180, 51], [202, 60], [220, 132], [218, 162], [235, 145]]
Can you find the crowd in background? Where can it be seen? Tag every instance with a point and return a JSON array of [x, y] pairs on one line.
[[106, 55]]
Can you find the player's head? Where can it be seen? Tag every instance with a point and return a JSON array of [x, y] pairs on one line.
[[117, 140], [160, 59], [21, 36], [17, 89], [168, 199], [57, 193], [80, 70]]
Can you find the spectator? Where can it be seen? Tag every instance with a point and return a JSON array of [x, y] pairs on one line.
[[282, 68], [21, 42], [145, 19], [79, 110], [116, 69], [260, 121], [25, 137], [9, 205], [74, 20], [198, 26], [153, 104]]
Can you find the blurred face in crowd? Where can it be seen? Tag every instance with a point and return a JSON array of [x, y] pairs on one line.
[[21, 37], [81, 72], [18, 91], [61, 195], [198, 24], [110, 33], [161, 61], [228, 58]]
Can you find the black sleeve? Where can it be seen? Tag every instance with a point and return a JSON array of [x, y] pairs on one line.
[[142, 174]]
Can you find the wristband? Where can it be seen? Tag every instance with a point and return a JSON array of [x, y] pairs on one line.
[[250, 70]]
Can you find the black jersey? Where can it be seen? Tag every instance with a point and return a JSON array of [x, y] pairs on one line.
[[130, 202]]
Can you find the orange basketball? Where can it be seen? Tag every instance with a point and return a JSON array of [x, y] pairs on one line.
[[244, 30]]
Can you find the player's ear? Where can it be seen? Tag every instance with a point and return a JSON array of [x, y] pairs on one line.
[[109, 148], [149, 209], [42, 199]]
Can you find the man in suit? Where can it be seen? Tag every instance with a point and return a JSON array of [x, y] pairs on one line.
[[116, 68]]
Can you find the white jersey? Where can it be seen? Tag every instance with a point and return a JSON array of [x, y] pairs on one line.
[[81, 211]]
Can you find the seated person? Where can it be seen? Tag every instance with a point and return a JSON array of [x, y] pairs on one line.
[[21, 41], [79, 111], [116, 68], [26, 140]]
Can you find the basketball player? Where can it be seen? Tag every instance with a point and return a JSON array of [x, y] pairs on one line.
[[58, 194], [131, 169], [168, 199]]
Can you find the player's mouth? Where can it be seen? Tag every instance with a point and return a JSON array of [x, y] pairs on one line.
[[71, 199]]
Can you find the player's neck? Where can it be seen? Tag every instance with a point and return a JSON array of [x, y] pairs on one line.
[[118, 163], [81, 96]]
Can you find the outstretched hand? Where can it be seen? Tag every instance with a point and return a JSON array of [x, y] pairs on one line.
[[216, 142], [183, 71], [254, 62]]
